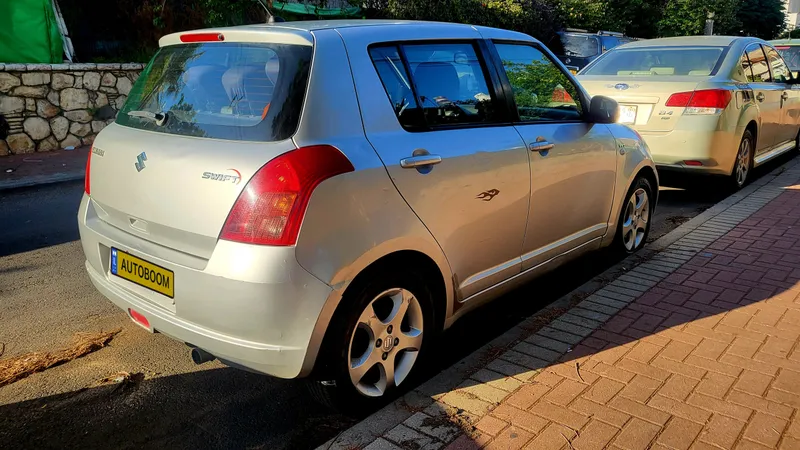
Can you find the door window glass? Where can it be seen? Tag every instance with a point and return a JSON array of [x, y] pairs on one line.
[[542, 91], [758, 65], [780, 73], [397, 83], [448, 80]]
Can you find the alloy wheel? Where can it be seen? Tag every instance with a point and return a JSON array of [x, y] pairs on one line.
[[386, 342], [637, 215], [743, 162]]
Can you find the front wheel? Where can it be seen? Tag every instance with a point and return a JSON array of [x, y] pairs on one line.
[[375, 343], [634, 221]]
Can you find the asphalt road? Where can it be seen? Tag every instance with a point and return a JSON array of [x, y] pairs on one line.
[[45, 298]]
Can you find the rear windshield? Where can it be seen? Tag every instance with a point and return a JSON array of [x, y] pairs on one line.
[[791, 54], [657, 61], [235, 91], [580, 46]]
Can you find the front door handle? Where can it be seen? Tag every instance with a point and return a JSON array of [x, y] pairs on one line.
[[760, 97], [541, 145], [419, 161]]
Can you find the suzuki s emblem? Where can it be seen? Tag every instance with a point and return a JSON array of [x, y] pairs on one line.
[[140, 161]]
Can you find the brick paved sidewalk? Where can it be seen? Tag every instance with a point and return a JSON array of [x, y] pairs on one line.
[[32, 169], [696, 348]]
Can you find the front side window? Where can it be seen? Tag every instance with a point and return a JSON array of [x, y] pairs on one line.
[[447, 83], [758, 65], [542, 91], [780, 73], [221, 90]]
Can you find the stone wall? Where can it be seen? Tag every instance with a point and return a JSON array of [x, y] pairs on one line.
[[52, 106]]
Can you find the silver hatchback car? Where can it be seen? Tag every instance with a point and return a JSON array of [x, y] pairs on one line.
[[323, 198]]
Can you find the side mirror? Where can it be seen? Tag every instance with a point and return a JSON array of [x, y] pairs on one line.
[[603, 110]]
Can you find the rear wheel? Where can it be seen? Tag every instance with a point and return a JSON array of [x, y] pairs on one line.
[[634, 221], [376, 342], [744, 161]]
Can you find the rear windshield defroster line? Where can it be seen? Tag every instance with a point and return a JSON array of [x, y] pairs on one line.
[[234, 91]]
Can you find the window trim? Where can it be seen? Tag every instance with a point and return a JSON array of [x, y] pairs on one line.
[[504, 114], [585, 99]]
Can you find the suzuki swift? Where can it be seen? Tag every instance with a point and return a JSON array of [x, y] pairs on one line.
[[322, 199]]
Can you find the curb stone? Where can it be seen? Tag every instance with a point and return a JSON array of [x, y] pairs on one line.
[[416, 417], [40, 180]]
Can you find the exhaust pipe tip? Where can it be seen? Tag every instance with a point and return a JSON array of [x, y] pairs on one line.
[[200, 356]]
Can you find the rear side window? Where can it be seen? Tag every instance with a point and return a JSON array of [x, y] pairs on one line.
[[446, 82], [658, 62], [234, 91], [759, 68], [780, 73]]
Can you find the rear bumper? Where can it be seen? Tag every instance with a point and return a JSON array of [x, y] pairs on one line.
[[715, 149], [250, 306]]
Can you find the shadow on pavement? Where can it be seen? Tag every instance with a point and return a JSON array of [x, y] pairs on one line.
[[244, 410]]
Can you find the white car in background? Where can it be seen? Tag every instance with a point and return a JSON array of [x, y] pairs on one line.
[[708, 104]]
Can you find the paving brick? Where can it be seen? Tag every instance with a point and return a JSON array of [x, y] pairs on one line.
[[590, 314], [580, 321], [787, 380], [640, 388], [678, 387], [765, 429], [571, 328], [603, 390], [726, 338], [643, 352], [787, 398], [546, 342], [744, 347], [466, 402], [595, 436], [483, 391], [679, 434], [679, 409], [676, 334], [600, 412], [636, 409], [524, 360], [765, 405], [441, 429], [710, 349], [719, 406], [559, 414], [722, 431], [406, 437], [678, 368], [643, 369], [612, 372], [753, 382], [527, 395], [497, 380], [465, 442], [565, 393], [745, 444], [713, 366], [512, 438], [751, 364], [559, 335], [677, 350], [382, 444], [554, 437], [715, 385], [519, 418], [637, 435]]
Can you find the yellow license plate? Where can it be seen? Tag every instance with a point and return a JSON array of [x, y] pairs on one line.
[[573, 71], [143, 273]]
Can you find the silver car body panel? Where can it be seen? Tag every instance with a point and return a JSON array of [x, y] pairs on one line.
[[268, 308]]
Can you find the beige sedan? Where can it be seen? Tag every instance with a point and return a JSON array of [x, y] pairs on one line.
[[709, 104]]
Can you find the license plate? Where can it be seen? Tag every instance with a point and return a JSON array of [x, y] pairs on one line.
[[627, 114], [143, 273], [573, 71]]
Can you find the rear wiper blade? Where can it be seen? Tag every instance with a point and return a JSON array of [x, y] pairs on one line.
[[159, 118]]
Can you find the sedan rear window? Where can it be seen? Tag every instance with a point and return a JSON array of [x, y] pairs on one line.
[[791, 54], [579, 45], [234, 91], [657, 61]]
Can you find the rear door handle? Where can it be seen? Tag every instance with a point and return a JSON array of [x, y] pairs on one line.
[[420, 160], [760, 97], [541, 145]]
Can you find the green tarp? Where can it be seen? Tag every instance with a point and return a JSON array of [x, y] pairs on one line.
[[29, 32], [311, 10]]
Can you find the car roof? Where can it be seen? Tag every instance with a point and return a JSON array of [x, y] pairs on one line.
[[302, 29], [716, 41]]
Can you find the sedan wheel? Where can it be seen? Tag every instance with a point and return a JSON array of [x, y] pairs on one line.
[[744, 161], [385, 342]]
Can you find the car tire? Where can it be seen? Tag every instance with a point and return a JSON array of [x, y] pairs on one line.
[[354, 337], [635, 218], [743, 165]]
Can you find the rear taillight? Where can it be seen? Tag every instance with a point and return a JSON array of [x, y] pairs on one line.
[[708, 101], [271, 207], [87, 185]]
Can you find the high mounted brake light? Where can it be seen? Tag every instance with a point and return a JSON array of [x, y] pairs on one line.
[[202, 37], [270, 209]]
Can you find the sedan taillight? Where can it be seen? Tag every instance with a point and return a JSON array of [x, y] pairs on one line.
[[707, 101]]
